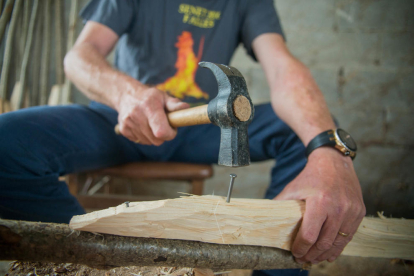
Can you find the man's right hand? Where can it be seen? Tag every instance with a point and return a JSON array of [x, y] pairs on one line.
[[142, 115], [142, 109]]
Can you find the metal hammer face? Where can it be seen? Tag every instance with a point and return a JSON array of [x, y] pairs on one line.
[[232, 110]]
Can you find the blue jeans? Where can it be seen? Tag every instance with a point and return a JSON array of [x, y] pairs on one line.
[[39, 144]]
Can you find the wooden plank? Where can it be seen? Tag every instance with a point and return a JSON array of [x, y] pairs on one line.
[[242, 221]]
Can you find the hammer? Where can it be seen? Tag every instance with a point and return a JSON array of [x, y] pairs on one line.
[[232, 110]]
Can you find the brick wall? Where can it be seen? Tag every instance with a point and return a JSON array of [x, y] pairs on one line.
[[361, 54]]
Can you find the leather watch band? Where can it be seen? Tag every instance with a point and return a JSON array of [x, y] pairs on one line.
[[325, 138]]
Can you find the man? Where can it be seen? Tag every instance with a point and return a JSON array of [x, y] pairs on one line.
[[159, 44]]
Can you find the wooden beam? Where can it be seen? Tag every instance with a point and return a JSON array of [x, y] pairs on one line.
[[51, 242], [8, 52], [45, 63], [261, 222], [25, 60], [5, 17], [73, 17]]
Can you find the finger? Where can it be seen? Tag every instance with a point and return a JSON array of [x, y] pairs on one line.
[[286, 194], [160, 126], [140, 137], [292, 191], [174, 104], [282, 196], [325, 240], [308, 233], [134, 133], [128, 133], [340, 241], [141, 125]]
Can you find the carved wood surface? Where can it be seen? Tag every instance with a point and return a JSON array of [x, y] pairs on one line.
[[261, 222]]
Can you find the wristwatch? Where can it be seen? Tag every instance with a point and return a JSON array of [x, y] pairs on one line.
[[336, 138]]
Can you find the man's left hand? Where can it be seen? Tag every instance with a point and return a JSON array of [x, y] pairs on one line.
[[334, 204]]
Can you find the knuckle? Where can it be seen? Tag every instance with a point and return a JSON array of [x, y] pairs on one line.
[[307, 258], [345, 204], [323, 245], [325, 198], [363, 212], [298, 253], [160, 133], [173, 99], [133, 110], [356, 208], [340, 243], [146, 104], [308, 239], [128, 124], [152, 91]]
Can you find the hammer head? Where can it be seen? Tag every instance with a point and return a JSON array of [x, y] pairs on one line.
[[232, 110]]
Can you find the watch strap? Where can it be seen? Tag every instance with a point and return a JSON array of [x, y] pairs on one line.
[[325, 138]]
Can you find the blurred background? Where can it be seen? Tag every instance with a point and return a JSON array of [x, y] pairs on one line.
[[361, 53]]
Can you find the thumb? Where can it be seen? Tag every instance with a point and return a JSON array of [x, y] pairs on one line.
[[285, 194], [174, 104], [282, 196]]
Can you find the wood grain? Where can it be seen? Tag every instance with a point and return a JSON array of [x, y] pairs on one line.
[[242, 221], [241, 108]]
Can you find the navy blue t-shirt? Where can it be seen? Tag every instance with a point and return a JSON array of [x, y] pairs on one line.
[[162, 41]]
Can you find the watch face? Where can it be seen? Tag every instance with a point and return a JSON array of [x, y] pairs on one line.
[[346, 139]]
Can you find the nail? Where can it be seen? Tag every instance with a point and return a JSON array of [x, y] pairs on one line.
[[127, 203], [232, 177]]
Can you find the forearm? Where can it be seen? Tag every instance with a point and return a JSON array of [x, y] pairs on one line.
[[298, 101], [96, 78], [295, 95]]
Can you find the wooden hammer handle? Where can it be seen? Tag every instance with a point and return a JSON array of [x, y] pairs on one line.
[[186, 117], [189, 117]]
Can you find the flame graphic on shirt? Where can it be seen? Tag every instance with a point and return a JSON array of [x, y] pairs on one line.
[[183, 82]]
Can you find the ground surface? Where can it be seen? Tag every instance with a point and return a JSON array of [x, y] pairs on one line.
[[343, 266]]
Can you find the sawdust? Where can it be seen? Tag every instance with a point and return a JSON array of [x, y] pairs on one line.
[[68, 269]]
